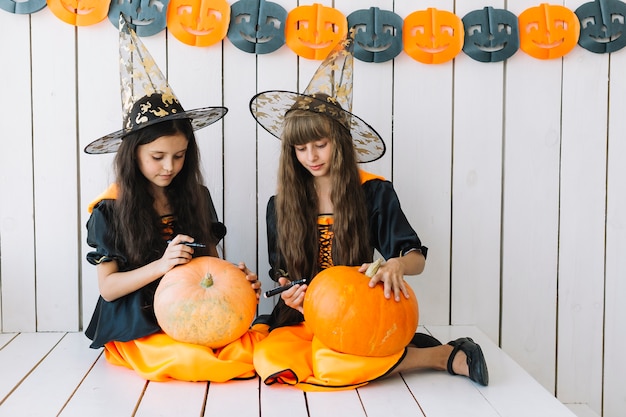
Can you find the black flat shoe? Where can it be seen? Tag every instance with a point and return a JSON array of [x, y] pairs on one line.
[[475, 360], [424, 340]]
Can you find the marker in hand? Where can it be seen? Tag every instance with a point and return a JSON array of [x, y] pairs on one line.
[[284, 288], [191, 244]]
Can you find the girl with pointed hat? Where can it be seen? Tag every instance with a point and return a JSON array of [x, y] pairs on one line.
[[329, 212], [146, 223]]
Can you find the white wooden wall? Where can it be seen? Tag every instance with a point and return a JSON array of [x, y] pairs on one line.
[[512, 173]]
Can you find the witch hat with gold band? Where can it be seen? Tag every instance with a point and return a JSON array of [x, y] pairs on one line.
[[329, 92], [147, 98]]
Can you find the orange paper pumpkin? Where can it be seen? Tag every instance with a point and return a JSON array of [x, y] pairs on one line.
[[548, 31], [348, 316], [313, 31], [80, 12], [432, 36], [198, 22], [207, 301]]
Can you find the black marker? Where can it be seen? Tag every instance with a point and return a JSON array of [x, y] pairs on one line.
[[278, 290], [191, 244]]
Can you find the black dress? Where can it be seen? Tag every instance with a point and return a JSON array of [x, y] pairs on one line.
[[390, 234], [131, 316]]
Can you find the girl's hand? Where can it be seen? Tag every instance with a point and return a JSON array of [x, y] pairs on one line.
[[176, 253], [391, 274], [252, 277], [294, 296]]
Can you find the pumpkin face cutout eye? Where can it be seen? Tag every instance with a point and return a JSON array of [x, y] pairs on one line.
[[378, 34], [602, 25], [432, 36], [146, 17], [548, 31], [257, 26], [22, 7], [313, 31], [79, 12], [198, 22], [491, 35]]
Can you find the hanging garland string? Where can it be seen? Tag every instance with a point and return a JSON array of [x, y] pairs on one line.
[[429, 36]]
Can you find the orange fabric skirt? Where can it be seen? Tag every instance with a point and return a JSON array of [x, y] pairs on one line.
[[158, 357], [293, 355]]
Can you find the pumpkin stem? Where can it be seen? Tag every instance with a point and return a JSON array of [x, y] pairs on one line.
[[373, 268], [207, 281]]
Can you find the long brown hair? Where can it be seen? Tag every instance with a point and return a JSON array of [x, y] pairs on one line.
[[137, 222], [297, 203]]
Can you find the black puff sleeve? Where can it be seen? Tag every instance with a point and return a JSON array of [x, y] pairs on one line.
[[100, 236], [390, 231]]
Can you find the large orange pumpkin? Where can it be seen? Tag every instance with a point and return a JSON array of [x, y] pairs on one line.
[[348, 316], [207, 301]]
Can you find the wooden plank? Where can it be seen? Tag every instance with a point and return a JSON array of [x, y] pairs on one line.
[[275, 71], [582, 410], [335, 403], [55, 172], [389, 397], [530, 207], [428, 386], [582, 211], [98, 80], [477, 188], [373, 93], [6, 338], [422, 165], [282, 401], [172, 398], [240, 161], [54, 380], [195, 76], [108, 390], [507, 381], [21, 356], [236, 398], [615, 285], [17, 304]]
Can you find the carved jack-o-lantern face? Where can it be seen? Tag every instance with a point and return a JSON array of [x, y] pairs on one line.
[[146, 17], [79, 12], [198, 22], [22, 6], [313, 31], [491, 35], [378, 34], [548, 31], [257, 26], [432, 36], [602, 25]]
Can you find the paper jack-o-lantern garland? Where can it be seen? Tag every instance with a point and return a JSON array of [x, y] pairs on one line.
[[257, 26], [22, 7], [313, 31], [146, 17], [79, 12], [198, 22], [545, 31], [378, 34]]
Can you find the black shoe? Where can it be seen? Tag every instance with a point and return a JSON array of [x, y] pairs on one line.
[[475, 360], [423, 340]]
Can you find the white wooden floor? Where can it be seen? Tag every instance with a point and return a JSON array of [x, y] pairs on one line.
[[50, 374]]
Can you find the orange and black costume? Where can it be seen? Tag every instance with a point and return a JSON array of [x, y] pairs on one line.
[[127, 326], [291, 354]]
